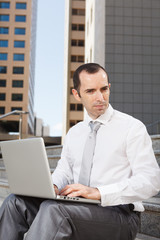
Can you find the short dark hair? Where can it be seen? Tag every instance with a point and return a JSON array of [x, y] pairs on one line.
[[88, 67]]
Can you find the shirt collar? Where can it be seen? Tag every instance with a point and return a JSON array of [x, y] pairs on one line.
[[104, 118]]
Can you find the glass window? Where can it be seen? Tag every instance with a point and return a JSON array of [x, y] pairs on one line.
[[74, 27], [18, 57], [4, 17], [3, 56], [4, 5], [80, 12], [2, 110], [72, 73], [2, 83], [81, 43], [72, 123], [20, 18], [80, 58], [3, 69], [16, 108], [18, 70], [3, 43], [2, 96], [73, 42], [73, 58], [4, 30], [81, 27], [17, 83], [21, 5], [17, 97], [72, 107], [79, 107], [19, 31], [19, 44]]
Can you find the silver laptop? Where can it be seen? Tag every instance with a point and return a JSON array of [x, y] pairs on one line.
[[28, 170]]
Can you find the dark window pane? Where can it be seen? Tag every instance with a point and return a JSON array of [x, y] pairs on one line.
[[17, 97], [18, 57], [74, 12], [81, 27], [2, 110], [73, 42], [81, 43], [20, 31], [74, 27], [3, 69], [3, 43], [2, 96], [80, 12], [20, 18], [4, 30], [2, 83], [17, 83], [72, 123], [80, 58], [18, 70], [72, 107], [4, 17], [16, 108], [19, 44], [73, 58], [21, 5], [3, 56], [4, 5], [79, 107]]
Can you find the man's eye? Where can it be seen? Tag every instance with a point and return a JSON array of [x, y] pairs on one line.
[[90, 91], [105, 89]]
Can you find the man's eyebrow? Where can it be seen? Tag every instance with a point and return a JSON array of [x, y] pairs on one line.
[[89, 89], [105, 87]]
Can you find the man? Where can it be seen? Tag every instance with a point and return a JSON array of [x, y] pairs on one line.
[[123, 172]]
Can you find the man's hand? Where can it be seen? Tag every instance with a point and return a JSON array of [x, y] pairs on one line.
[[56, 189], [79, 190]]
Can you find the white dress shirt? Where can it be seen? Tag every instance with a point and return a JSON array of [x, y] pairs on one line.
[[124, 166]]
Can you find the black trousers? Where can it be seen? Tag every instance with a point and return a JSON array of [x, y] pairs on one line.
[[57, 220]]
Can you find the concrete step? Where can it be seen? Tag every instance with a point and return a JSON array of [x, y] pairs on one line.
[[53, 160], [54, 150], [155, 142], [150, 218], [145, 237]]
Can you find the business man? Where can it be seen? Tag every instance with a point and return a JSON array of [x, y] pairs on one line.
[[106, 157]]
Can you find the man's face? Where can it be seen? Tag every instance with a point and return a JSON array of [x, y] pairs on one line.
[[94, 92]]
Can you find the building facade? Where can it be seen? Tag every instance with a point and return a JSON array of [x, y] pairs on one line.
[[124, 36], [17, 62], [74, 51]]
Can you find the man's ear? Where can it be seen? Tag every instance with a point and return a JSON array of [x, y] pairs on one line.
[[76, 95]]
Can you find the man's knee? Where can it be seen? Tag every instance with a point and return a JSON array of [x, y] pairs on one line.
[[9, 202]]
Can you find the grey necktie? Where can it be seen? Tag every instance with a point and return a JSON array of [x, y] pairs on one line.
[[86, 166]]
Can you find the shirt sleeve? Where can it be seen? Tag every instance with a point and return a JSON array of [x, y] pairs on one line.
[[144, 181], [62, 175]]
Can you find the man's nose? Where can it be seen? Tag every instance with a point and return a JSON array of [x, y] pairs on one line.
[[99, 96]]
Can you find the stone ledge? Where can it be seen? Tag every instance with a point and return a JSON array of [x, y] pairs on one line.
[[145, 237]]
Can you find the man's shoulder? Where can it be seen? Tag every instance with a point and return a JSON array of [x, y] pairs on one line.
[[80, 126], [126, 118]]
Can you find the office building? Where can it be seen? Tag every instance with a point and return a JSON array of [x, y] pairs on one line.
[[17, 62], [74, 51], [124, 36]]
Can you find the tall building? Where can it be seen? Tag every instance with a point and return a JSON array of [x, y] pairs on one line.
[[124, 36], [74, 51], [17, 62]]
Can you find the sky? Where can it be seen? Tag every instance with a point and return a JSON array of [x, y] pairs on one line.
[[49, 72]]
